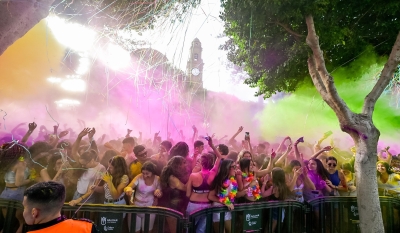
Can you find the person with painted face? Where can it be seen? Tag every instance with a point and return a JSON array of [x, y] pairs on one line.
[[148, 190], [318, 175]]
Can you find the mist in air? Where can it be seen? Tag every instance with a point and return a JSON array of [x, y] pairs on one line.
[[150, 96]]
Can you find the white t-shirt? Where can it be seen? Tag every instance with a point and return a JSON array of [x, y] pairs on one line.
[[144, 194], [89, 177]]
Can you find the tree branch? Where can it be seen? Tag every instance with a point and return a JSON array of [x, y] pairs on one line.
[[331, 97], [288, 29], [316, 78], [384, 79]]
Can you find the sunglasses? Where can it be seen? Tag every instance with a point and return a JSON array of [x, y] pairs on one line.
[[142, 155], [332, 164]]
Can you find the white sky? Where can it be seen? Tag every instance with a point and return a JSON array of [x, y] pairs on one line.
[[206, 25]]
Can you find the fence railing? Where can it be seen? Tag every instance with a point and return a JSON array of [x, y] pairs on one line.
[[327, 214]]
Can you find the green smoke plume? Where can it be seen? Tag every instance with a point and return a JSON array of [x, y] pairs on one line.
[[304, 113]]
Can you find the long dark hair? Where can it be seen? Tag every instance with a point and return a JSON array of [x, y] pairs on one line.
[[9, 155], [244, 164], [51, 167], [120, 169], [207, 161], [222, 175], [321, 171], [180, 148], [279, 182], [172, 168], [387, 167]]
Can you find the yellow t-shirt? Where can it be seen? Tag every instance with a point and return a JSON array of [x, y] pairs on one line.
[[135, 168]]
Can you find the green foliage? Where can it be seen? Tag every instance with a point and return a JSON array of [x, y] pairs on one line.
[[268, 37]]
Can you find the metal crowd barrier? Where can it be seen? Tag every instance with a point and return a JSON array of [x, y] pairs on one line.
[[326, 214], [340, 214]]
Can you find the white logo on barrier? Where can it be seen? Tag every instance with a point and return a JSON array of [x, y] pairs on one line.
[[247, 217], [103, 220], [105, 228]]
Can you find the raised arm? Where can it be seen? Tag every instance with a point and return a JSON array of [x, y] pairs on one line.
[[216, 152], [327, 148], [268, 170], [128, 133], [31, 127], [195, 132], [278, 150], [236, 134], [75, 146], [283, 158]]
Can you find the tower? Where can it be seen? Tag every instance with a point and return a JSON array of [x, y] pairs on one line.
[[194, 67]]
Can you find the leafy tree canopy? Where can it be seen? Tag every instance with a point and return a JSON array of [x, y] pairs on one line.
[[268, 37]]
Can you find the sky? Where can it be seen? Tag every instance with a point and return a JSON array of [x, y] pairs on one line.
[[205, 25]]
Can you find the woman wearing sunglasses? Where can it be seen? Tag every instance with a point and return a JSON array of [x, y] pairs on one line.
[[336, 179]]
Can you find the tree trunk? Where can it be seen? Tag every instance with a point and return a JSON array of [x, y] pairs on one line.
[[365, 168], [17, 17]]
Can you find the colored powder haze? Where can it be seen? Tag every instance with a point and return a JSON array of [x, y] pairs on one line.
[[25, 91]]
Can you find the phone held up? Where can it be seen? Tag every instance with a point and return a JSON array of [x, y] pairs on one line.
[[246, 135]]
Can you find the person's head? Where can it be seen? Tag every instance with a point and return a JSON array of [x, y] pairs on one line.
[[293, 164], [88, 158], [316, 166], [107, 156], [245, 165], [383, 168], [10, 153], [180, 149], [227, 169], [233, 155], [260, 148], [117, 166], [176, 166], [128, 144], [140, 153], [198, 147], [148, 169], [165, 146], [278, 181], [346, 169], [223, 149], [245, 154], [331, 163], [43, 201], [207, 161], [39, 147], [54, 164]]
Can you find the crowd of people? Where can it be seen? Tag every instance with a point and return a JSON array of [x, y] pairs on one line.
[[156, 172]]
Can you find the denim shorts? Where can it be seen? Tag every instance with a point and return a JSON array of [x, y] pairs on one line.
[[16, 194]]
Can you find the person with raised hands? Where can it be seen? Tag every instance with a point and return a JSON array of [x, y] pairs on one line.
[[93, 170], [199, 185]]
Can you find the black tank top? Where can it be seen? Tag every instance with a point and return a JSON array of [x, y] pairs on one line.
[[204, 187]]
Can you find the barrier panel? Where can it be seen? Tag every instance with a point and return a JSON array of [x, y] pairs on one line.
[[253, 217], [117, 218], [340, 214], [326, 214]]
